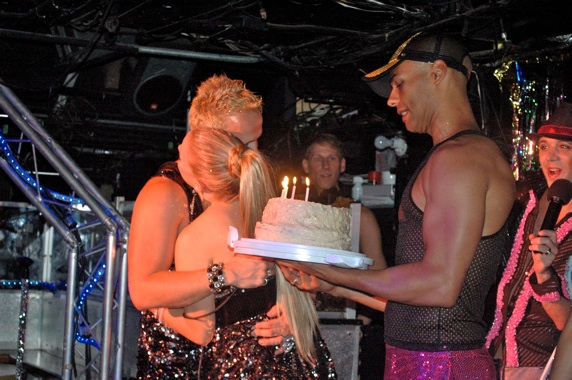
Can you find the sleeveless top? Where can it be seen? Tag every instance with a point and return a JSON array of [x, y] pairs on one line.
[[162, 353], [461, 327], [171, 170]]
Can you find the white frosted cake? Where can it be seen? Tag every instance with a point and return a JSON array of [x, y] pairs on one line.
[[307, 223]]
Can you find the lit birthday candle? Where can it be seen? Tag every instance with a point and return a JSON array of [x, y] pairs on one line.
[[307, 188], [284, 187], [293, 187]]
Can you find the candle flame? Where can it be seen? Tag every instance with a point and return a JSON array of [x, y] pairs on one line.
[[307, 182], [294, 180], [285, 182]]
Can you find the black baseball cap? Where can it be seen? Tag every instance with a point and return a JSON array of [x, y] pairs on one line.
[[420, 47]]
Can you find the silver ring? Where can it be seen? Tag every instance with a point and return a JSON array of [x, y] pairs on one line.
[[288, 343], [265, 281], [268, 272], [548, 251]]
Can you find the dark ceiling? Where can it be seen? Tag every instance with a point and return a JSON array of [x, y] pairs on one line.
[[114, 78]]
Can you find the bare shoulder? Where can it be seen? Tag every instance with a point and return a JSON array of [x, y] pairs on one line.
[[472, 163], [474, 150], [368, 220], [161, 201], [207, 235], [161, 192], [366, 210], [161, 189], [489, 156], [367, 214], [471, 167]]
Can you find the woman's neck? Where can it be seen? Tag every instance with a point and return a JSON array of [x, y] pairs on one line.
[[230, 208]]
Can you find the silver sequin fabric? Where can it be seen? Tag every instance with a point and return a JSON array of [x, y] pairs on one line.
[[232, 354], [235, 354]]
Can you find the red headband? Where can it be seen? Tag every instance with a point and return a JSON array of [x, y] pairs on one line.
[[555, 130]]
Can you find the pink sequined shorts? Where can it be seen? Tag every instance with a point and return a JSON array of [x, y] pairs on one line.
[[403, 364]]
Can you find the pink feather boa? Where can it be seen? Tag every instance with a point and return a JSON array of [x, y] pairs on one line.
[[526, 293]]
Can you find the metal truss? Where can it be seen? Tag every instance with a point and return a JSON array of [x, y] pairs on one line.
[[93, 347]]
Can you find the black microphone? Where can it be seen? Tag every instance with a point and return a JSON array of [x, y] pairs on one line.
[[558, 195]]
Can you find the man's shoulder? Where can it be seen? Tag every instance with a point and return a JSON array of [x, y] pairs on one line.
[[475, 161], [474, 147]]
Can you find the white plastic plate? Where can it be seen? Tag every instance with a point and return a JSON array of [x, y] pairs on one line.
[[299, 252]]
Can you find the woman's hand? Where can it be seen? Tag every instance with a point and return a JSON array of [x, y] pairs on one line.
[[272, 331], [247, 272]]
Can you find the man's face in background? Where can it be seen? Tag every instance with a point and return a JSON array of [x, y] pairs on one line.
[[324, 165]]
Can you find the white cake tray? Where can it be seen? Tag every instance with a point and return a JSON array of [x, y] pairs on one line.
[[298, 252]]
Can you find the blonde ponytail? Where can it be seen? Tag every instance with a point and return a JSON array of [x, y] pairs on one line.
[[298, 306], [231, 170]]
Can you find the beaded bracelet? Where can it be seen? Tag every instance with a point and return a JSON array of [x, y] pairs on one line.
[[216, 278]]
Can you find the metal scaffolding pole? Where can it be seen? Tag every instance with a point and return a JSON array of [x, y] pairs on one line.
[[116, 225]]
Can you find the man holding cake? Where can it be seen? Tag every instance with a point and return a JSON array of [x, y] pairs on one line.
[[452, 221]]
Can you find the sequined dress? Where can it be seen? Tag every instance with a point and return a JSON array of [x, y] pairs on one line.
[[233, 353]]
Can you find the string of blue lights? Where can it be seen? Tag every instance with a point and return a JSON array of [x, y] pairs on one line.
[[82, 334]]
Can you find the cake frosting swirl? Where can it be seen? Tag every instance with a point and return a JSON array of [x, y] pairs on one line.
[[308, 223]]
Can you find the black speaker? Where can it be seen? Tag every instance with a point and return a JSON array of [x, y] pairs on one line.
[[162, 86]]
